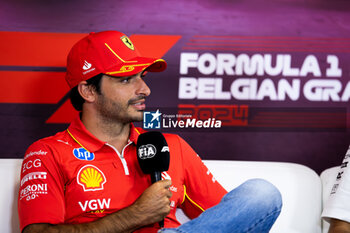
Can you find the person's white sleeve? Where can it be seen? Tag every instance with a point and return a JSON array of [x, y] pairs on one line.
[[338, 204]]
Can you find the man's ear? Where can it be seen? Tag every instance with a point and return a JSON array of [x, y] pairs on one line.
[[87, 92]]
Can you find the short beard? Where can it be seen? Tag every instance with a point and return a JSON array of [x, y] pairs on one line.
[[111, 112]]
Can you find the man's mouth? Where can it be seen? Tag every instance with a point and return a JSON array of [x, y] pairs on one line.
[[139, 105]]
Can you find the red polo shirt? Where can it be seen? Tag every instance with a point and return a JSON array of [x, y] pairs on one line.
[[73, 177]]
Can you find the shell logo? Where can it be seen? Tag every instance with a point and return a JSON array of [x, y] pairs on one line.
[[91, 178]]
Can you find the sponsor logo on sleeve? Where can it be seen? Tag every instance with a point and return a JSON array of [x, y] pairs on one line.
[[30, 164], [33, 176], [40, 152], [83, 154], [91, 178], [32, 191]]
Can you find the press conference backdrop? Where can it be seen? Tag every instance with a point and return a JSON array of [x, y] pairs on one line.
[[266, 80]]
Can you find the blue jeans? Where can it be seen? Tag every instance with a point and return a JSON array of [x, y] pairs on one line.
[[251, 207]]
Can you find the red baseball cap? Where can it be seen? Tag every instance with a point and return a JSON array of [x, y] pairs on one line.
[[108, 52]]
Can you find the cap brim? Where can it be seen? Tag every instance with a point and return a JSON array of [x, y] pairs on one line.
[[137, 65]]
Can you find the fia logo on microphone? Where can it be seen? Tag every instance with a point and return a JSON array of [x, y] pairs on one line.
[[151, 120], [147, 151]]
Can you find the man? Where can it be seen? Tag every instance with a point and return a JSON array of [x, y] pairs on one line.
[[87, 178], [337, 208], [338, 226]]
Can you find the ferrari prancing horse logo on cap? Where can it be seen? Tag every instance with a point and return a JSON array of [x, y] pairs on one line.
[[127, 42]]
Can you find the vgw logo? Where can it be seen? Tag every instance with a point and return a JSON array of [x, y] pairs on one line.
[[151, 120]]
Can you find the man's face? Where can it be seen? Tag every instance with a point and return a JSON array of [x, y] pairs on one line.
[[122, 99]]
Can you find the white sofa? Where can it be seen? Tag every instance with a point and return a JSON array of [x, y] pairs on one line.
[[300, 186]]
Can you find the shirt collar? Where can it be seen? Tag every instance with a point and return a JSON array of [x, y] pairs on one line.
[[87, 140], [134, 133]]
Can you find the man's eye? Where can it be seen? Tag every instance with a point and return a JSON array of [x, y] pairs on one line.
[[126, 80]]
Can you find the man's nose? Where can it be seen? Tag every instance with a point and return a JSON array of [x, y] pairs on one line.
[[143, 88]]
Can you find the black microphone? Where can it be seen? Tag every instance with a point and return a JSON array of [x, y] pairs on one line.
[[153, 156]]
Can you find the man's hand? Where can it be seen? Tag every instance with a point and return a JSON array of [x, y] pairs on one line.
[[339, 226], [151, 207], [154, 203]]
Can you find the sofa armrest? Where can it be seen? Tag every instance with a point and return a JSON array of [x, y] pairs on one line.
[[9, 180]]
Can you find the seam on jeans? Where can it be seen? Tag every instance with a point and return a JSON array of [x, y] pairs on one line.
[[194, 203], [172, 229], [278, 209]]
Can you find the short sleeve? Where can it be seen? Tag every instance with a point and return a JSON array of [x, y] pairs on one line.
[[338, 204], [41, 192], [202, 191]]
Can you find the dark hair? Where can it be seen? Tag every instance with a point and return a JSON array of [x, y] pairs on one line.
[[75, 97]]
